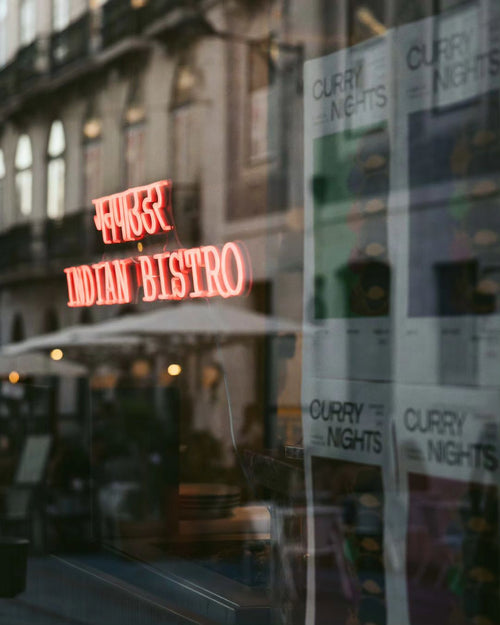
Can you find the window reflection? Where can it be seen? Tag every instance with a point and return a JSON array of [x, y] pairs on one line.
[[324, 449], [24, 179], [56, 171], [27, 21], [92, 154], [2, 187], [134, 131]]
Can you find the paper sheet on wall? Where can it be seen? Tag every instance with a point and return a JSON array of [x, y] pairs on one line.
[[346, 426], [347, 181], [446, 202], [447, 475]]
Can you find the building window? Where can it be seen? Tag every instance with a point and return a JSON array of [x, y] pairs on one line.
[[92, 155], [134, 135], [24, 175], [17, 329], [27, 22], [86, 317], [184, 122], [186, 132], [51, 321], [2, 177], [3, 32], [260, 80], [56, 171], [60, 14]]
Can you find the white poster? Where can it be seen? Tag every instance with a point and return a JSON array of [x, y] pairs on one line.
[[402, 287], [347, 273], [446, 202], [447, 476], [346, 426], [347, 333]]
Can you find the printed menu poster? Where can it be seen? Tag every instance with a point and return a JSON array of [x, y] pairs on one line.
[[346, 426], [347, 291], [448, 172], [347, 271], [448, 479]]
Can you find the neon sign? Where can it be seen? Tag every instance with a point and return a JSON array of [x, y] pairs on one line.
[[131, 214], [206, 271]]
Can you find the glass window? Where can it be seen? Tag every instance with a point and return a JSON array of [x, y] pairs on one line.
[[24, 176], [2, 184], [256, 380], [27, 21], [92, 155], [50, 320], [3, 32], [17, 329], [185, 120], [134, 136], [60, 14], [260, 78], [56, 171]]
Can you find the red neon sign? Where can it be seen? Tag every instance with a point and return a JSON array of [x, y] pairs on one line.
[[206, 271], [134, 213]]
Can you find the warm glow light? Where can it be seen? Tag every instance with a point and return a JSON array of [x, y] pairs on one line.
[[135, 114], [92, 128], [140, 246], [56, 354], [141, 369], [14, 377], [174, 369]]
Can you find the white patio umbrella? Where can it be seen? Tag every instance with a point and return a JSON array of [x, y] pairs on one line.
[[212, 318], [77, 338], [39, 364]]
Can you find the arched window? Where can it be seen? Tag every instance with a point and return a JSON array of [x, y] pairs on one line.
[[24, 175], [185, 124], [261, 135], [86, 316], [56, 171], [51, 320], [92, 155], [134, 135], [17, 330], [60, 14], [27, 22], [3, 32], [2, 177]]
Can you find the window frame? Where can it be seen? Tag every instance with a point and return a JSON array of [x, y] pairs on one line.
[[60, 19], [133, 123], [21, 171], [27, 27], [56, 159]]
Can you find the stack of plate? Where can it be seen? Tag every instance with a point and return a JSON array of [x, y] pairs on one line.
[[207, 501]]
